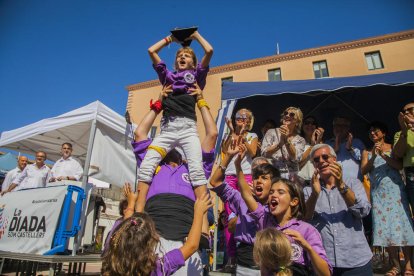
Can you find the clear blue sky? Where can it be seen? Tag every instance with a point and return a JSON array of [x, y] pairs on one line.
[[58, 55]]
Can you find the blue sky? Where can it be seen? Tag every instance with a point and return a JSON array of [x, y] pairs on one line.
[[58, 55]]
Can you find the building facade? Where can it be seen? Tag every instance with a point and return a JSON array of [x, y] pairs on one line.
[[375, 55]]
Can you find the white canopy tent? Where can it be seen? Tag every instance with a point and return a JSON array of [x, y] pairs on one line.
[[97, 134]]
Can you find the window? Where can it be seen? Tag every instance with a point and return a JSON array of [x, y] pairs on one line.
[[274, 74], [374, 60], [153, 132], [320, 68], [229, 79]]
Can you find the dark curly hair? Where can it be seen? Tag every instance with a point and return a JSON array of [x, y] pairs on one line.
[[132, 248]]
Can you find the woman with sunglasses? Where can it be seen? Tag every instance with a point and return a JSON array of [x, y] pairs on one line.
[[313, 136], [239, 133], [392, 225], [284, 146]]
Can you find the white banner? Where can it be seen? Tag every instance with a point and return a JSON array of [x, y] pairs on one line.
[[28, 219]]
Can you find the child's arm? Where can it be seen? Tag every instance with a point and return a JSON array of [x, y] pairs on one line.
[[319, 265], [141, 132], [241, 181], [132, 198], [208, 49], [193, 240], [154, 49], [210, 127], [219, 174]]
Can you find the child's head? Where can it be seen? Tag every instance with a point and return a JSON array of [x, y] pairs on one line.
[[132, 247], [272, 252], [185, 59], [263, 177], [244, 117], [286, 200]]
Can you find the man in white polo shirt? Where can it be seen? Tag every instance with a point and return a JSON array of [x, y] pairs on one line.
[[33, 176], [67, 167], [13, 174]]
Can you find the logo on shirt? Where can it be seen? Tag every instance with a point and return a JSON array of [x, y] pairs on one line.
[[185, 177], [189, 78], [296, 252]]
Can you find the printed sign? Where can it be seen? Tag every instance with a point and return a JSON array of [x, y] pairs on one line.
[[28, 219]]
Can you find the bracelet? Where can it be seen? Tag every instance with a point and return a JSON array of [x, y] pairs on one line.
[[201, 103], [222, 168], [156, 106], [168, 39]]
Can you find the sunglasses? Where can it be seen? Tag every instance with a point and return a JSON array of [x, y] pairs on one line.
[[309, 123], [290, 114], [241, 117], [325, 157], [408, 110], [40, 156]]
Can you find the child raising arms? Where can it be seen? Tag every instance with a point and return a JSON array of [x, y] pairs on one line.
[[285, 213], [178, 124], [132, 247]]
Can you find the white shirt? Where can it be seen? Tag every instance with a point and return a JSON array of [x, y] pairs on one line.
[[32, 177], [10, 177], [67, 167], [246, 163]]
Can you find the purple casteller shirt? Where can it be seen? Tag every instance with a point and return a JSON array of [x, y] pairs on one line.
[[265, 219], [181, 80], [246, 227], [169, 264], [170, 180]]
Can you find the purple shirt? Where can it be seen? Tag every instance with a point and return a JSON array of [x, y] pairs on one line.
[[265, 219], [181, 80], [171, 180], [169, 264], [246, 226]]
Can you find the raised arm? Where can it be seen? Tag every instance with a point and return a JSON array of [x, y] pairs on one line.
[[218, 176], [154, 49], [241, 181], [208, 49], [141, 132], [200, 208], [210, 127]]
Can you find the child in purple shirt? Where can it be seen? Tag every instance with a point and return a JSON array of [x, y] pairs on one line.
[[132, 247], [286, 208], [246, 227], [178, 125]]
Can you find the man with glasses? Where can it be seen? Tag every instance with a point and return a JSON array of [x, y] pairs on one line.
[[347, 148], [336, 206], [67, 167], [404, 148], [33, 176]]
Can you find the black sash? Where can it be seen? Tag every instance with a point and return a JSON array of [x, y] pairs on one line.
[[173, 215], [244, 254]]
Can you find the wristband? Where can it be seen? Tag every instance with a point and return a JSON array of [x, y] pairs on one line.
[[222, 168], [201, 103], [156, 106], [168, 39]]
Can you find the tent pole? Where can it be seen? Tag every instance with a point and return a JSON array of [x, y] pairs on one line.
[[79, 236], [351, 108]]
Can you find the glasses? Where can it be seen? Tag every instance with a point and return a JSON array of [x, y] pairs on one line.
[[241, 117], [290, 114], [40, 156], [408, 110], [309, 123], [325, 157], [67, 148]]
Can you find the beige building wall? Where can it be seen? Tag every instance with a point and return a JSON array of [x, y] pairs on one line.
[[343, 59]]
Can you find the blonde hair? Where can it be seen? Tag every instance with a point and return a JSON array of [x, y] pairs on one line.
[[272, 252], [185, 50], [299, 117], [250, 117]]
